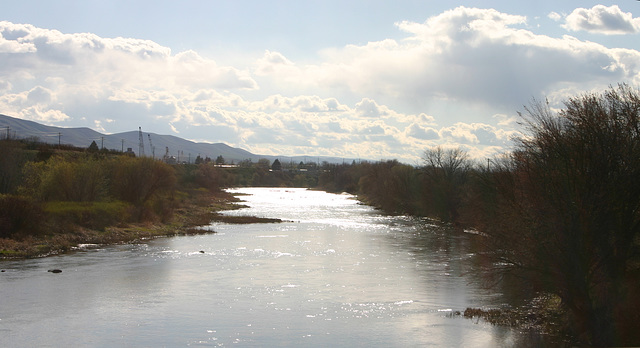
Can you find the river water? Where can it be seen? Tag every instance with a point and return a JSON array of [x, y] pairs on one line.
[[337, 273]]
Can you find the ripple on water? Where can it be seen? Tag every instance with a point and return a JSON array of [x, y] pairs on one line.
[[343, 275]]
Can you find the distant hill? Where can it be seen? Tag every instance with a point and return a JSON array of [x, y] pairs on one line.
[[180, 148]]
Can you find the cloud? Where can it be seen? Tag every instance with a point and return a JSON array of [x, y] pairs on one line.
[[423, 133], [38, 104], [370, 109], [303, 103], [456, 79], [467, 56], [602, 20], [505, 120], [272, 61], [5, 86], [555, 16], [98, 126], [477, 133], [87, 59], [39, 95]]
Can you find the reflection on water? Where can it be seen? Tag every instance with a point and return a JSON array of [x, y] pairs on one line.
[[338, 273]]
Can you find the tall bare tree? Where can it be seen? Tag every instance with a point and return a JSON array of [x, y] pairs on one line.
[[570, 207], [446, 172]]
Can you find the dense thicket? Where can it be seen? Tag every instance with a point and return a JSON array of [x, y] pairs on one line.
[[568, 210]]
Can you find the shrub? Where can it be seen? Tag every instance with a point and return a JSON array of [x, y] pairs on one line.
[[19, 216], [94, 215], [62, 179], [208, 176], [137, 180]]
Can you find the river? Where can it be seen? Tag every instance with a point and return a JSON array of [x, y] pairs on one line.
[[337, 273]]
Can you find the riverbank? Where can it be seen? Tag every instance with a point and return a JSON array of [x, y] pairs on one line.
[[200, 208]]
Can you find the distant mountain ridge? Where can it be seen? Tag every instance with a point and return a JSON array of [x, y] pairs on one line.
[[184, 150]]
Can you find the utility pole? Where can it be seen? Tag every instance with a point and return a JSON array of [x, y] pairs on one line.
[[102, 143], [59, 136]]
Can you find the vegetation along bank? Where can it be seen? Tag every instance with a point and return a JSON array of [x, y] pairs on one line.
[[559, 216]]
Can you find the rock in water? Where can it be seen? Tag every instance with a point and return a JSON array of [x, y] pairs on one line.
[[55, 271]]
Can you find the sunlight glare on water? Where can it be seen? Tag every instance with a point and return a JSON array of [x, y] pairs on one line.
[[336, 273]]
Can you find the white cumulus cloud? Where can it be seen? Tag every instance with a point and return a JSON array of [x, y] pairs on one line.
[[601, 19], [466, 56], [456, 79]]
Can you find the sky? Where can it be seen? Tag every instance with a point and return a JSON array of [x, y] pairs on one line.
[[354, 79]]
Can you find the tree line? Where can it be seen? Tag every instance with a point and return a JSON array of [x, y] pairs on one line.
[[561, 212], [48, 188]]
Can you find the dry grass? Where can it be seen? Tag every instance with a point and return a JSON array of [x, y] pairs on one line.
[[198, 208], [542, 314]]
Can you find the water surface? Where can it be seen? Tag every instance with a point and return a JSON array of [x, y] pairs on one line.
[[336, 273]]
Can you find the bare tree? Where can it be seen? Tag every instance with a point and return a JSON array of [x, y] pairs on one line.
[[570, 207], [446, 172]]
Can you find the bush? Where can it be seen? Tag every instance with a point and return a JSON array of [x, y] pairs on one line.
[[62, 179], [137, 180], [19, 216], [94, 215], [208, 176]]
